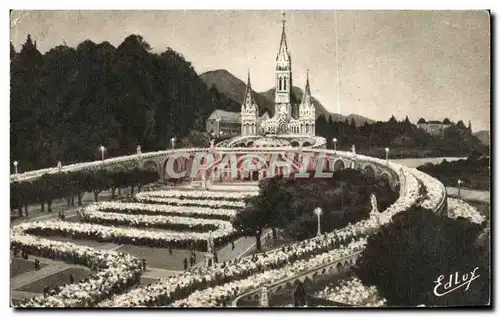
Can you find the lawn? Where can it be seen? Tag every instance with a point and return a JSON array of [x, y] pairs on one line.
[[55, 280], [159, 257], [21, 266]]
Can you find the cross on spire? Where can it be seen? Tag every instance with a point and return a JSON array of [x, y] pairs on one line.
[[283, 50]]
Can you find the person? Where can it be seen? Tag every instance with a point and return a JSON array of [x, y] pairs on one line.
[[144, 264], [46, 291], [216, 259], [71, 279], [185, 264], [37, 264], [170, 249], [232, 245]]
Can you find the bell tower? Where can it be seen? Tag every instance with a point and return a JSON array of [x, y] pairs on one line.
[[283, 76]]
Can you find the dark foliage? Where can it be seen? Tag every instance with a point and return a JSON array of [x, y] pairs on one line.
[[288, 203], [403, 138], [474, 172], [405, 258], [67, 102], [70, 184]]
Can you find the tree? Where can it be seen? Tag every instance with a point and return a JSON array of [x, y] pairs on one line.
[[446, 121], [393, 120], [421, 120], [68, 101], [353, 124], [251, 221], [405, 258]]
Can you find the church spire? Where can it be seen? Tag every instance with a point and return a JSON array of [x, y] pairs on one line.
[[249, 100], [307, 90], [283, 50]]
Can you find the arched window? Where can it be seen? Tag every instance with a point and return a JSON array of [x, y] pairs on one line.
[[279, 83], [284, 83]]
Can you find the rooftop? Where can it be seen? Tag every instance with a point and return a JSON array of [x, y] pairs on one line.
[[225, 115]]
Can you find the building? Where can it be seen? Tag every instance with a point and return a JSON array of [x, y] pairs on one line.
[[224, 124], [283, 121], [437, 128]]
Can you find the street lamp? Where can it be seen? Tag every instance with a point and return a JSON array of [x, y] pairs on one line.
[[334, 144], [386, 155], [15, 167], [172, 141], [459, 182], [103, 149], [218, 127], [318, 213]]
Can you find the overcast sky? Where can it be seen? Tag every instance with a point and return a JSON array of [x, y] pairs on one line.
[[431, 64]]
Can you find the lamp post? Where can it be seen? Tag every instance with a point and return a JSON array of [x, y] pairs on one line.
[[103, 149], [334, 144], [172, 141], [318, 213], [218, 127], [459, 182], [386, 155], [15, 167]]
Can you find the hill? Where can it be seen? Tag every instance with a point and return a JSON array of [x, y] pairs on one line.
[[234, 88], [483, 136]]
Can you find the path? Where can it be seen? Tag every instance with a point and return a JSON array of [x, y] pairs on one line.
[[470, 194], [35, 214]]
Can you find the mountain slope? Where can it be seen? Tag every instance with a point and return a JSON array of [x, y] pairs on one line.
[[234, 88], [483, 136]]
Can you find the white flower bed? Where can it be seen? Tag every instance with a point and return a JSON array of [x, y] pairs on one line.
[[351, 291], [115, 272], [459, 208], [188, 211], [212, 296], [194, 194]]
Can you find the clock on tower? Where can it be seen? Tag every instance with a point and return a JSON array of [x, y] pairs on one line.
[[283, 108]]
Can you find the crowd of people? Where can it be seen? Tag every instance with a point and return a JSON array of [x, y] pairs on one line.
[[352, 292], [458, 208], [181, 224], [222, 295], [116, 272], [201, 211], [180, 286], [195, 195], [113, 272]]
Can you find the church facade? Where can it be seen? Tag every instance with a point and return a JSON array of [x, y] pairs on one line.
[[283, 121]]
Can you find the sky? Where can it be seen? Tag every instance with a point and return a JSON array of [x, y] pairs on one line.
[[431, 64]]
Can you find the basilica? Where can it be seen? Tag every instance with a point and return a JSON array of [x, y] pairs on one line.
[[285, 120]]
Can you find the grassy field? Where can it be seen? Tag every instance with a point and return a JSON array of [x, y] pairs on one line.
[[21, 266], [55, 280]]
